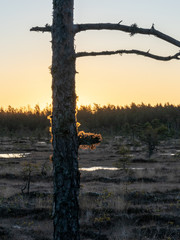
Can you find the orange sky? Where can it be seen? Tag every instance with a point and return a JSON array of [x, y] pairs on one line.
[[120, 80]]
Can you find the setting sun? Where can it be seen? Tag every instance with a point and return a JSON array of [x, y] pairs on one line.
[[89, 119], [119, 80]]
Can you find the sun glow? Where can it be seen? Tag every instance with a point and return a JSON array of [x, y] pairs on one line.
[[119, 80]]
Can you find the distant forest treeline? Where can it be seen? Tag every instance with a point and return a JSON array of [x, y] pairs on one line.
[[25, 121], [131, 119], [110, 119]]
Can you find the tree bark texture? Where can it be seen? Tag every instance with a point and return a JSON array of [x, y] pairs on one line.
[[65, 139]]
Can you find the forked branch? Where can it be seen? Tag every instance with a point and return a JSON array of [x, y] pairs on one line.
[[138, 52]]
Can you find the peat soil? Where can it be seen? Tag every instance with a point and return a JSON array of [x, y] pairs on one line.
[[134, 197]]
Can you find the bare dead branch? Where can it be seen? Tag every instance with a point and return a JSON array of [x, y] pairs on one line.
[[47, 28], [138, 52], [133, 29]]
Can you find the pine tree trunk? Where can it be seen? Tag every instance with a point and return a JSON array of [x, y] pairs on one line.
[[65, 140]]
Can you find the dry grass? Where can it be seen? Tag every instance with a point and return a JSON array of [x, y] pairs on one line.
[[125, 204]]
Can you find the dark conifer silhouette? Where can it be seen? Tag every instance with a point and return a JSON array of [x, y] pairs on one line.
[[64, 130]]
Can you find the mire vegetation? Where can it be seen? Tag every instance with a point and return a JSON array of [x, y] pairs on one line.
[[129, 183], [133, 197]]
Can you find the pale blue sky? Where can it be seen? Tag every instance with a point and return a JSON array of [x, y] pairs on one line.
[[25, 56]]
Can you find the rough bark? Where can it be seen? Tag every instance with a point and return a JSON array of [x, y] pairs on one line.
[[65, 139]]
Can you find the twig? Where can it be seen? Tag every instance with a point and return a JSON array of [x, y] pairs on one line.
[[47, 28]]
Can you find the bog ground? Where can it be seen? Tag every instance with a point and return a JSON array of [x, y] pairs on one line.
[[125, 196]]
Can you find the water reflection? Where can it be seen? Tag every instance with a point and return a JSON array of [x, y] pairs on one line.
[[13, 155], [90, 169], [99, 168], [167, 154], [41, 143]]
